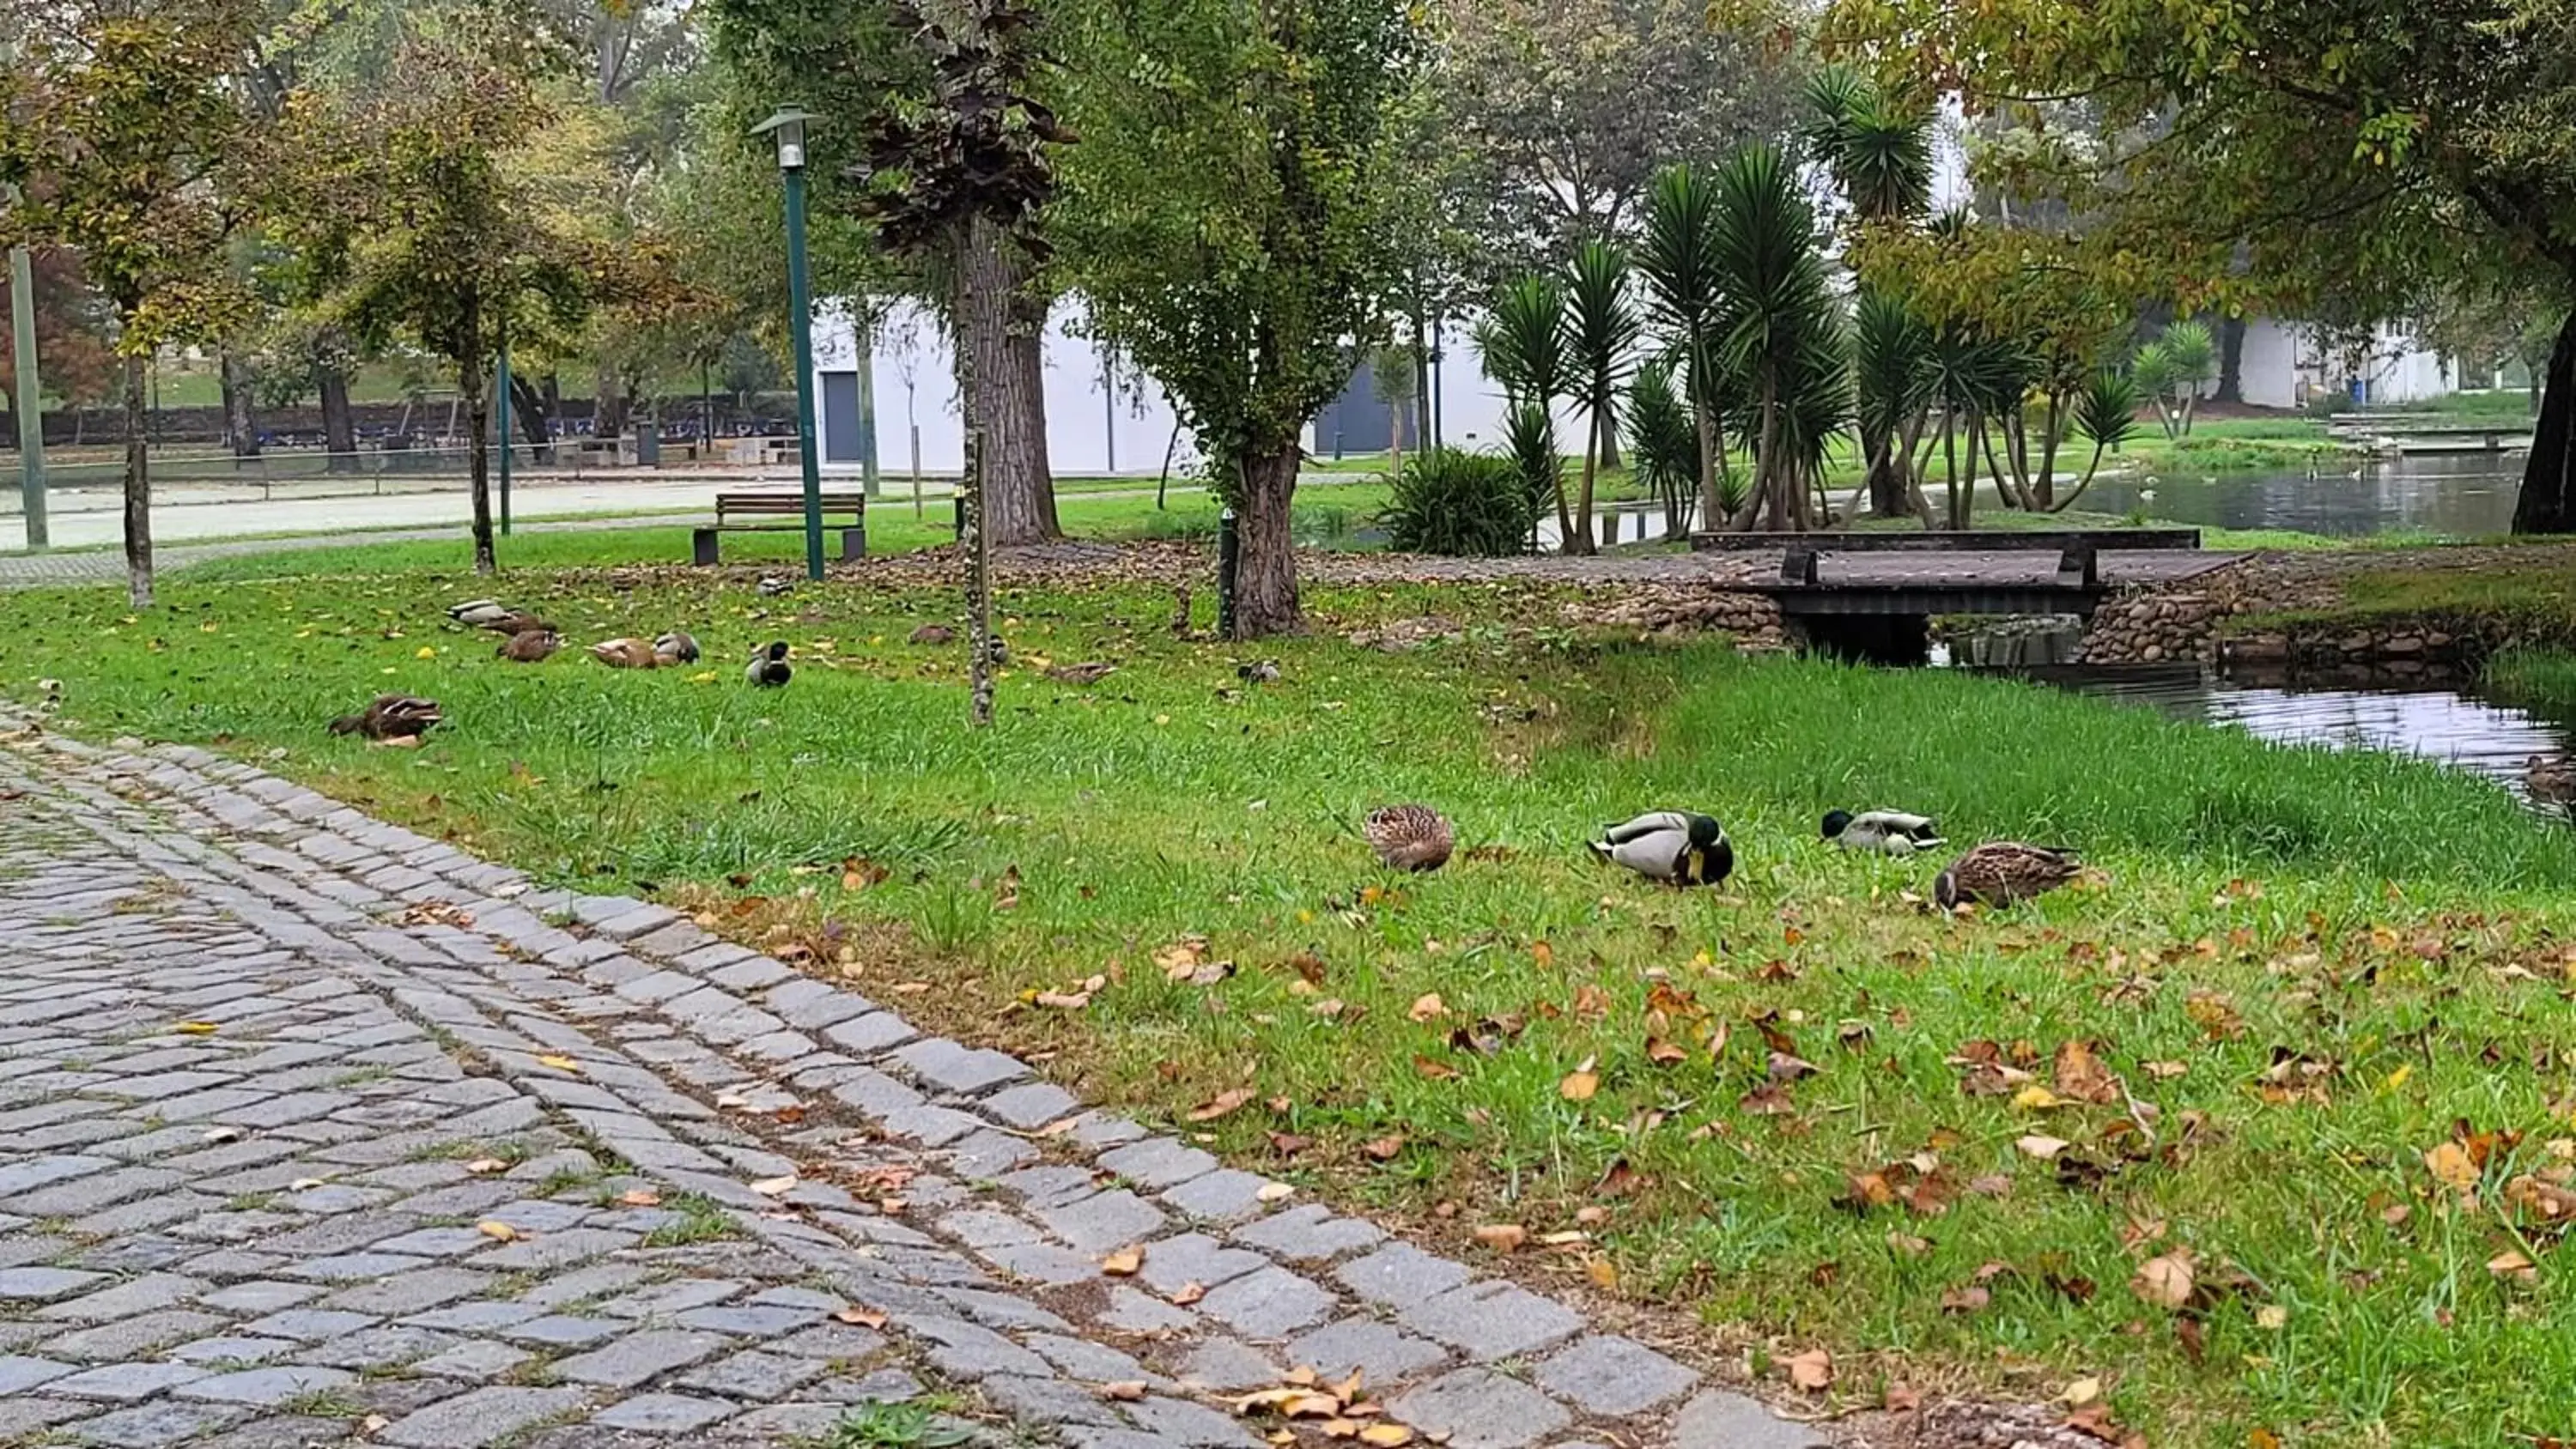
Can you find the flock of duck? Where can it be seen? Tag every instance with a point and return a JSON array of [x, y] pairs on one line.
[[1679, 847], [1684, 848], [401, 719]]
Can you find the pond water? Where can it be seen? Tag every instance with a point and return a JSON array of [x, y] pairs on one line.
[[2468, 493]]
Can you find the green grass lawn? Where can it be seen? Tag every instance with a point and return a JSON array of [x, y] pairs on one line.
[[1809, 1122]]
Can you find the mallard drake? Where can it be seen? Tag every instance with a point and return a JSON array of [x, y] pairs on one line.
[[1087, 673], [1409, 837], [1660, 844], [676, 647], [1260, 671], [774, 586], [2552, 782], [1887, 832], [768, 668], [530, 647], [2003, 873], [625, 654], [485, 614], [933, 634], [392, 717]]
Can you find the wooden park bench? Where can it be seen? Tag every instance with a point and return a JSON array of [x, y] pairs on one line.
[[780, 512]]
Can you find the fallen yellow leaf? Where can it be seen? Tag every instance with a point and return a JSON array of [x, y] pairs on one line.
[[775, 1186], [482, 1165], [195, 1028], [1502, 1237], [640, 1197], [1124, 1263], [1812, 1371], [559, 1063], [1386, 1436], [1428, 1008], [2164, 1280], [2036, 1098], [1125, 1390], [1580, 1084], [497, 1230], [2452, 1165], [2040, 1147]]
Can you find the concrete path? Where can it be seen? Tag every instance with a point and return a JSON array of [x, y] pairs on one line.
[[315, 1131], [107, 565]]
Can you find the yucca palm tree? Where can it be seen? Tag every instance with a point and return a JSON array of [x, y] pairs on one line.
[[2194, 356], [1776, 318], [1677, 255], [1975, 373], [2106, 414], [1892, 365], [1663, 444], [1879, 153], [1522, 343], [1601, 331]]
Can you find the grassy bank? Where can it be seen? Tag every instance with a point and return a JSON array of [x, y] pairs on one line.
[[2304, 967]]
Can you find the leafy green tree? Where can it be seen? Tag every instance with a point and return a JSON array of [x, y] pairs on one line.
[[1779, 328], [413, 223], [1602, 328], [2311, 158], [1663, 446], [1395, 380], [1896, 382], [121, 124], [1231, 215]]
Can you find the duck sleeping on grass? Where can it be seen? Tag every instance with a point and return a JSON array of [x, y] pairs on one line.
[[1409, 837], [1885, 832], [2003, 873], [768, 668], [531, 647], [1662, 844], [394, 719]]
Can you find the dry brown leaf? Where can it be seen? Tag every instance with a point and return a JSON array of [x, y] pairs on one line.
[[640, 1197], [1428, 1007], [1221, 1104], [1386, 1436], [1970, 1298], [1126, 1391], [1188, 1293], [1062, 1000], [1664, 1053], [2165, 1071], [1430, 1070], [1812, 1371], [1340, 1428], [863, 1317], [2164, 1280], [775, 1186], [1502, 1237], [1603, 1274], [1124, 1263], [481, 1165], [1382, 1149], [2452, 1166], [1580, 1084], [497, 1230], [2515, 1264], [2041, 1147]]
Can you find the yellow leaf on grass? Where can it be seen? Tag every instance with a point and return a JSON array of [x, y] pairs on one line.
[[1428, 1007], [1580, 1084], [1603, 1273], [2452, 1166], [2036, 1098], [2272, 1316], [497, 1230], [424, 652], [2164, 1280], [1124, 1263]]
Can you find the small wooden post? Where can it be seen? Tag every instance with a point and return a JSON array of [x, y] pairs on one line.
[[979, 577]]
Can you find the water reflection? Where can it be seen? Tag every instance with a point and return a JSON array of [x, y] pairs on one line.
[[2468, 494], [2451, 725]]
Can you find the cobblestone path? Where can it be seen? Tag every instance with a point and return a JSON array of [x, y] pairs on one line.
[[315, 1131]]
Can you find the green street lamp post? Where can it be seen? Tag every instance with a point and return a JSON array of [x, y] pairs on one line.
[[786, 126]]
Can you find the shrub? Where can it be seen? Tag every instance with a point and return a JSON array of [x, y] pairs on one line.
[[1463, 504]]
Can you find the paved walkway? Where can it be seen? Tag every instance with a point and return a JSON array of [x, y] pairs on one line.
[[107, 565], [315, 1131]]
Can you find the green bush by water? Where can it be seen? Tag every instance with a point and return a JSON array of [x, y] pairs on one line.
[[1450, 501]]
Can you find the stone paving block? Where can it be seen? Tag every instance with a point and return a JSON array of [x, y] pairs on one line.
[[1493, 1320], [1043, 1403], [233, 1350], [1129, 1311], [385, 1347], [748, 1321], [311, 1325], [1225, 1195], [350, 1267], [1613, 1377], [480, 1316], [1272, 1303], [1180, 1421], [1157, 1162], [1042, 1262], [965, 1351], [870, 1034], [563, 1330], [1092, 1363], [134, 1337], [1400, 1274], [783, 1423], [1381, 1351], [1197, 1258], [19, 1373], [264, 1387], [946, 1066], [1030, 1105], [1481, 1409], [1103, 1221], [481, 1418], [26, 1416], [1308, 1233], [125, 1382], [414, 1292], [260, 1296], [478, 1361], [829, 1341], [754, 1375], [631, 1360], [1721, 1419], [1228, 1365], [750, 974], [44, 1284], [660, 1300], [662, 1414], [561, 1249], [152, 1426], [876, 1094]]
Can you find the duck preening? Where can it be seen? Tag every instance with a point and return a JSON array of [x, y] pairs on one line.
[[2003, 873], [676, 647], [1661, 845], [1409, 837], [625, 654], [768, 668], [2550, 781], [1887, 832], [1089, 672], [393, 717], [530, 647], [485, 614]]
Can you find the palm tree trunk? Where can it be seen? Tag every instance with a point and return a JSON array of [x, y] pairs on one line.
[[1950, 452], [1581, 540]]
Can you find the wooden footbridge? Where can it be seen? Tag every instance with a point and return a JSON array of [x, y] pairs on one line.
[[2064, 571]]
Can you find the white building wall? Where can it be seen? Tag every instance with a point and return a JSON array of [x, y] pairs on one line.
[[2283, 367]]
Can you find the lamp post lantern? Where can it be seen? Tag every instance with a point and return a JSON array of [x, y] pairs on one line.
[[786, 126]]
